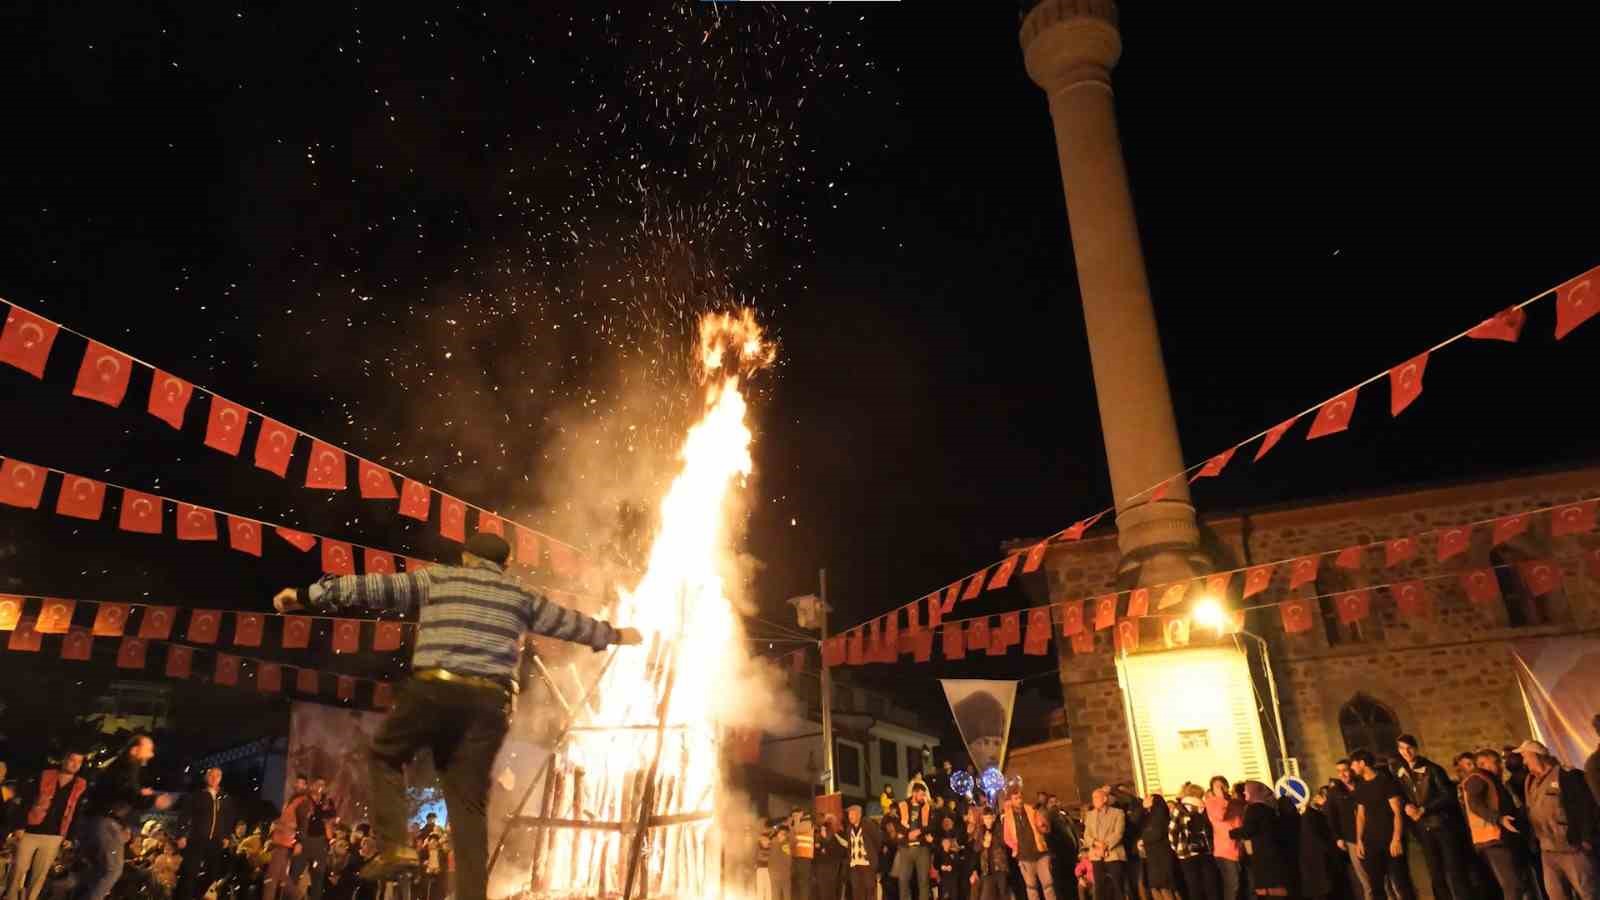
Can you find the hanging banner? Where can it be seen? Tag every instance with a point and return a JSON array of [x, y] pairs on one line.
[[1560, 679], [982, 710]]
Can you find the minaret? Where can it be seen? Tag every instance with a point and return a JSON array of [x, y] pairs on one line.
[[1069, 47]]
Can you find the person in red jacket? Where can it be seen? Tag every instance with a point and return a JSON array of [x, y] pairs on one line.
[[54, 803], [285, 840]]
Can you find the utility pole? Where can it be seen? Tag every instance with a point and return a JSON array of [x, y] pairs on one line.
[[827, 690]]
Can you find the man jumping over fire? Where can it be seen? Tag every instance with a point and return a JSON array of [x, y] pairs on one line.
[[458, 701]]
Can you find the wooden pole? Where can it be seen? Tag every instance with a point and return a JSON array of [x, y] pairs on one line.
[[648, 799]]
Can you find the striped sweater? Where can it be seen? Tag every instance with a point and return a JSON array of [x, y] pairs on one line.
[[469, 620]]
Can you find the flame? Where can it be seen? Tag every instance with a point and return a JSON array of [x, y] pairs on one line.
[[694, 637]]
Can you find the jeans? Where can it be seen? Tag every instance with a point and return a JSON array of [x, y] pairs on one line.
[[1502, 860], [101, 851], [995, 886], [279, 880], [1108, 879], [1199, 878], [1231, 874], [1569, 875], [36, 853], [463, 725], [1444, 852], [782, 879], [920, 863], [863, 883], [1392, 872], [1038, 875]]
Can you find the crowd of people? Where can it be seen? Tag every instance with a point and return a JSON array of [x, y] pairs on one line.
[[1508, 824], [72, 834]]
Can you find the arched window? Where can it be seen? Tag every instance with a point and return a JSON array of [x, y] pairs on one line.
[[1368, 725]]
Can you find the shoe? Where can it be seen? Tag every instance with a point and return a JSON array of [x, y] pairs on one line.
[[391, 864]]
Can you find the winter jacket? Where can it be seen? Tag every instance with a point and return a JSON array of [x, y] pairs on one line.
[[1429, 788], [49, 783]]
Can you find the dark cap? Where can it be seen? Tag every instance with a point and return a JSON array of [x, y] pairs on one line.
[[492, 547]]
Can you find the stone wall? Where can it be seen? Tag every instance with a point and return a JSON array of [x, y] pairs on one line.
[[1047, 767]]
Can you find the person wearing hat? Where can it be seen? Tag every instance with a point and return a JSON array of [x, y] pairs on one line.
[[1566, 823], [470, 622]]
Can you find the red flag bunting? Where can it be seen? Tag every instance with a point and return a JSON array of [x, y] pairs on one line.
[[306, 681], [1541, 576], [1138, 603], [1353, 606], [911, 618], [376, 562], [1002, 573], [417, 565], [1072, 618], [855, 648], [346, 687], [873, 651], [563, 559], [1505, 325], [1162, 489], [1577, 301], [1127, 636], [25, 341], [25, 638], [489, 523], [346, 635], [140, 512], [1273, 436], [156, 622], [1175, 632], [1411, 598], [935, 610], [383, 695], [269, 678], [169, 398], [1453, 542], [227, 670], [81, 498], [1405, 383], [275, 447], [225, 426], [204, 624], [103, 375], [1083, 643], [110, 619], [1481, 586], [1217, 585], [1303, 571], [375, 481], [247, 628], [386, 637], [1105, 611], [131, 653], [55, 617], [1592, 557], [974, 587], [453, 521], [1334, 416], [951, 594], [244, 535], [196, 523], [1298, 615], [415, 500], [922, 646], [997, 642], [296, 632], [1215, 465], [978, 634], [297, 539], [1399, 550], [1078, 528], [1173, 595], [1349, 557], [1037, 643], [77, 645], [527, 548], [1011, 628], [889, 648], [1035, 558], [326, 470], [21, 484], [1507, 528], [10, 611], [1574, 519], [1257, 579], [179, 661], [955, 641], [337, 558]]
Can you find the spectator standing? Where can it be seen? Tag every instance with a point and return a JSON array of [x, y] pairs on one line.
[[48, 821], [285, 842], [828, 862], [312, 860], [802, 840], [952, 868], [1025, 829], [1322, 864], [992, 879], [1225, 814], [780, 863], [763, 860], [1565, 821], [204, 826], [914, 862], [1379, 830], [863, 841], [1104, 830], [1488, 807], [886, 801], [1262, 830], [1189, 833], [434, 870], [1431, 805], [111, 801], [1155, 846]]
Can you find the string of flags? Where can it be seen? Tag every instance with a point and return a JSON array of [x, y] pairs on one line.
[[1576, 300], [884, 639], [104, 376]]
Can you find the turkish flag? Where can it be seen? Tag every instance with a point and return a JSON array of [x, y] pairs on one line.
[[376, 562], [1011, 628], [111, 619], [179, 661], [81, 498], [1217, 585], [951, 594], [1257, 580], [227, 670], [1083, 643], [247, 628], [978, 634], [1577, 301], [874, 649], [1035, 557], [1399, 550], [21, 484], [1173, 595], [244, 535], [169, 398], [1298, 615], [1273, 436], [306, 681], [296, 632], [1072, 618], [1175, 633], [196, 523], [25, 638], [275, 447], [204, 624], [1349, 557], [225, 426], [1303, 571], [326, 470], [1453, 542], [1127, 635], [922, 646], [1215, 465], [337, 558], [1162, 489], [955, 641], [346, 635], [1105, 611], [1334, 416], [1037, 643], [489, 523], [1574, 519], [891, 637], [417, 565], [997, 642], [269, 678], [833, 651], [935, 610], [1481, 586], [297, 539], [563, 558], [1078, 528], [415, 500], [1411, 598], [375, 481], [1507, 528], [382, 695], [974, 587], [25, 342], [386, 636], [1003, 572], [1541, 576], [131, 653], [155, 623], [140, 512], [1138, 603], [1405, 383], [103, 375], [855, 648], [1505, 325], [453, 522], [527, 548], [346, 688], [55, 616], [1353, 606], [10, 611], [77, 645]]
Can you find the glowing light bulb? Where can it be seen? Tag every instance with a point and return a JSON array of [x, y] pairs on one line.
[[1208, 613]]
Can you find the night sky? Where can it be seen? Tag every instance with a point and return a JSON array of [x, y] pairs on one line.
[[469, 244]]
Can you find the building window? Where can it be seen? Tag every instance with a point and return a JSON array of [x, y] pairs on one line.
[[913, 760], [847, 760], [889, 758], [1368, 725]]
